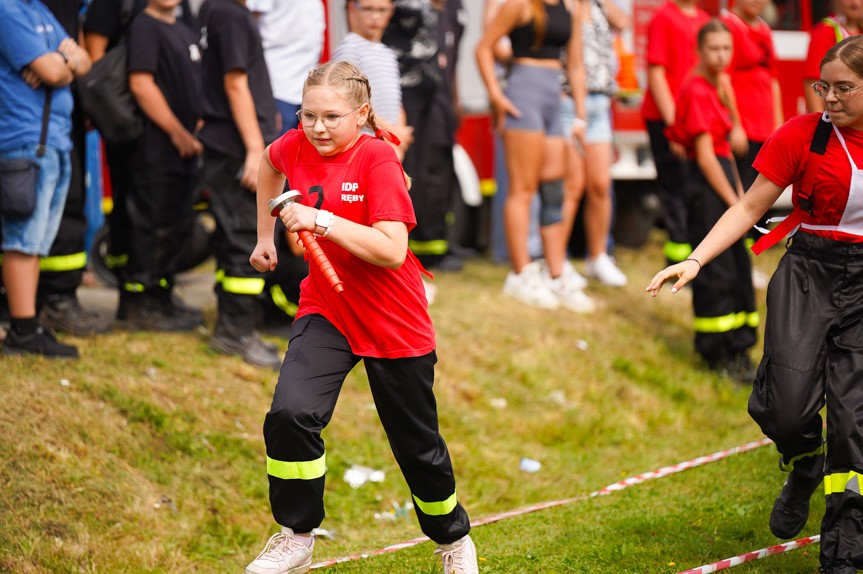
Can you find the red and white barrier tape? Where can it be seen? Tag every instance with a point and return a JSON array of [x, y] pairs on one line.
[[632, 481], [750, 556]]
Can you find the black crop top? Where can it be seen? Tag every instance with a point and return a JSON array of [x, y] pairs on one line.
[[558, 29]]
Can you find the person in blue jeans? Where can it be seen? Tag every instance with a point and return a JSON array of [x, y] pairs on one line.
[[37, 57]]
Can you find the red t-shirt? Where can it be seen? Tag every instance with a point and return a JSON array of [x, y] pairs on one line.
[[752, 72], [699, 111], [671, 42], [382, 312], [782, 160], [822, 38]]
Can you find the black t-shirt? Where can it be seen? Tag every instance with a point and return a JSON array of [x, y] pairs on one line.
[[170, 52], [230, 41], [67, 13], [103, 17]]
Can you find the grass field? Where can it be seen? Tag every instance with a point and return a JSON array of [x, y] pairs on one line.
[[151, 459]]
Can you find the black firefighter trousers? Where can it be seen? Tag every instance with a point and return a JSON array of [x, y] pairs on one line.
[[315, 366], [813, 354]]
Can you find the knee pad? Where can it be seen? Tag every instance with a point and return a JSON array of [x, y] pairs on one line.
[[551, 195]]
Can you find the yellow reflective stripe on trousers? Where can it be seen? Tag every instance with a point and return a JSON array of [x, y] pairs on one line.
[[115, 261], [281, 301], [789, 467], [305, 470], [436, 247], [676, 251], [240, 285], [436, 508], [725, 323], [842, 482], [63, 262]]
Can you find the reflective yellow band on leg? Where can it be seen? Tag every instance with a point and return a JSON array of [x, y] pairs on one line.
[[116, 261], [789, 467], [676, 252], [240, 285], [437, 508], [306, 470], [725, 323], [435, 247], [63, 262], [842, 482], [281, 301]]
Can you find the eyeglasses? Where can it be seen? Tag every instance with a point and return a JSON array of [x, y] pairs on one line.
[[369, 11], [330, 120], [842, 92]]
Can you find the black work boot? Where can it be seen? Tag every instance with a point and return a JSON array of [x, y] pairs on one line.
[[791, 509], [838, 569], [62, 312], [39, 342], [145, 312], [174, 307], [248, 347]]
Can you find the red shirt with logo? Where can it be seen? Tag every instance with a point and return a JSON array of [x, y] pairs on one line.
[[382, 312], [783, 159], [822, 37], [752, 70], [700, 111], [671, 42]]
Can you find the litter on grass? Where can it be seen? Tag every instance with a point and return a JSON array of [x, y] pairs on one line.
[[357, 475]]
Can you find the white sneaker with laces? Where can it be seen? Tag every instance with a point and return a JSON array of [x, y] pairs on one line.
[[568, 271], [570, 294], [603, 268], [528, 287], [458, 557], [283, 554]]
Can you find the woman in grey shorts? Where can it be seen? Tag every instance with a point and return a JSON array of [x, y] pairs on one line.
[[528, 115]]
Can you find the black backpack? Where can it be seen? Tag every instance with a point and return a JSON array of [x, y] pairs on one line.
[[105, 94]]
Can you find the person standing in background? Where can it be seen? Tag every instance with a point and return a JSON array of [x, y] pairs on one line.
[[105, 26], [38, 61], [754, 77], [723, 298], [239, 122], [362, 46], [62, 270], [846, 20], [292, 33], [435, 183], [528, 113], [600, 19], [165, 79], [670, 57], [412, 33]]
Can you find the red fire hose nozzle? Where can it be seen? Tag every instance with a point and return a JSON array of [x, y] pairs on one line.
[[313, 250]]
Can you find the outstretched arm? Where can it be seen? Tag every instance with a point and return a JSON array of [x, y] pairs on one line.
[[730, 227]]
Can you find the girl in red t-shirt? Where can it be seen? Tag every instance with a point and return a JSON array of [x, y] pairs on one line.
[[722, 297], [844, 22], [354, 195], [754, 77], [813, 332]]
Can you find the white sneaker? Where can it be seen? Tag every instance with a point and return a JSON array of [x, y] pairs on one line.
[[603, 268], [760, 279], [283, 554], [458, 557], [570, 294], [529, 287], [431, 291], [568, 271]]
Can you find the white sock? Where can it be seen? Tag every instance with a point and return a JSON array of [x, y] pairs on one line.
[[307, 539]]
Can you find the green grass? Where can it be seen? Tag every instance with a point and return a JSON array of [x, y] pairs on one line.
[[152, 458]]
